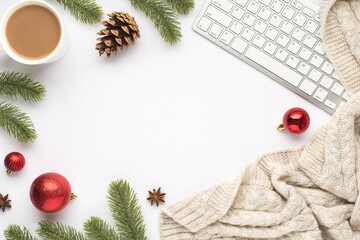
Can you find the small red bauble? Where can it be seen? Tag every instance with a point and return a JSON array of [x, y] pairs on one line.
[[295, 120], [14, 162], [50, 192]]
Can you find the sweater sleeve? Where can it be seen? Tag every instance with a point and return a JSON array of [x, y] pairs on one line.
[[199, 211]]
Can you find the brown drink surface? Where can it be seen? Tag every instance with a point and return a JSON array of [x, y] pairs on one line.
[[33, 32]]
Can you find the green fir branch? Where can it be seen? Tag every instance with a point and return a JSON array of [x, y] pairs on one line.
[[16, 123], [98, 229], [124, 207], [14, 232], [165, 20], [183, 7], [58, 231], [16, 84], [86, 11]]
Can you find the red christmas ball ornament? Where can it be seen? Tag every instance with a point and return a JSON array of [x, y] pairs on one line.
[[14, 162], [295, 120], [51, 192]]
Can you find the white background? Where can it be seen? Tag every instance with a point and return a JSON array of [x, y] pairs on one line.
[[183, 117]]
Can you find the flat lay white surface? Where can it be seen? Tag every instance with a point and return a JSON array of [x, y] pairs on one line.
[[184, 118]]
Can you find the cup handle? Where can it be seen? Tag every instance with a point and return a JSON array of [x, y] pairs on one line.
[[1, 48]]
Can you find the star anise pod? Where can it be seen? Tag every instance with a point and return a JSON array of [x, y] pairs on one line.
[[4, 202], [156, 197]]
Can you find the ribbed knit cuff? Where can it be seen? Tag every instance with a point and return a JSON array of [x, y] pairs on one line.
[[186, 217]]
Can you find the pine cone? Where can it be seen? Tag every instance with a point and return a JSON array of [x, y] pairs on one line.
[[121, 29]]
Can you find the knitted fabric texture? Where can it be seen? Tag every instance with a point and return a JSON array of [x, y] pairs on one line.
[[305, 193]]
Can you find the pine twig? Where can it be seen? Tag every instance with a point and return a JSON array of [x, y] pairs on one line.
[[14, 232], [16, 123], [98, 229], [165, 20], [58, 231], [126, 211], [183, 7], [16, 84], [86, 11]]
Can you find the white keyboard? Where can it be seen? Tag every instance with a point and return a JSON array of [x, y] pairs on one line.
[[281, 38]]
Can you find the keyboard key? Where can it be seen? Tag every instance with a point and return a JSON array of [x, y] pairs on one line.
[[315, 75], [249, 19], [296, 5], [204, 24], [317, 17], [341, 104], [319, 48], [330, 104], [223, 4], [276, 68], [281, 55], [307, 86], [253, 7], [236, 27], [292, 61], [271, 33], [226, 37], [318, 33], [288, 12], [298, 34], [294, 47], [335, 76], [309, 41], [311, 26], [270, 48], [320, 94], [260, 26], [239, 45], [259, 41], [326, 82], [264, 13], [275, 20], [287, 27], [304, 68], [265, 2], [308, 12], [277, 6], [283, 40], [237, 12], [215, 30], [316, 60], [337, 89], [299, 19], [218, 16], [305, 54], [248, 34], [345, 96], [242, 2], [327, 67]]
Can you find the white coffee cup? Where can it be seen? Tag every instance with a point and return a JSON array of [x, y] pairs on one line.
[[59, 51]]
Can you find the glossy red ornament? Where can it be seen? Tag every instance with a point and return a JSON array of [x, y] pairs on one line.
[[295, 120], [14, 162], [50, 192]]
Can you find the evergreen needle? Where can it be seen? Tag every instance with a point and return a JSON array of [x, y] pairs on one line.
[[183, 7], [16, 123], [125, 210], [87, 11], [164, 18], [16, 84], [98, 229], [14, 232], [58, 231]]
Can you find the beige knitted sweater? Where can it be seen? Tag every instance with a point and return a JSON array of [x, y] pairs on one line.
[[305, 193]]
